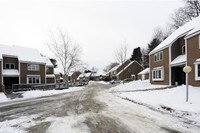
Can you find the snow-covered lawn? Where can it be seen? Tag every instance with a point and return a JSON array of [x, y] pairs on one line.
[[174, 98], [38, 93], [136, 85]]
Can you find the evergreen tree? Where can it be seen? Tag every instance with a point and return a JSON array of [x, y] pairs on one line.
[[136, 55], [54, 62], [154, 43]]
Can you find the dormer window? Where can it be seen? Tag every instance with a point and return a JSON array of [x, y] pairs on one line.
[[183, 49]]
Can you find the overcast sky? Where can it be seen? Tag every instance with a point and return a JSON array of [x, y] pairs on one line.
[[100, 27]]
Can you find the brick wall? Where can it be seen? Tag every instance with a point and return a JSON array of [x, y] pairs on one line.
[[193, 53], [50, 80], [24, 72], [165, 63], [134, 68], [10, 60], [176, 48]]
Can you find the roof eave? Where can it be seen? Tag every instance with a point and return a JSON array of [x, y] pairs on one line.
[[192, 35], [162, 48]]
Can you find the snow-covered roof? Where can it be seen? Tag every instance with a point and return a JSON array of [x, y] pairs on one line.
[[47, 61], [23, 54], [10, 72], [197, 60], [127, 67], [184, 30], [113, 69], [180, 60], [145, 71], [50, 76], [84, 75], [97, 74]]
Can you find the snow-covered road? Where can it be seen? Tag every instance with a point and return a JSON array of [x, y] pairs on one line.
[[93, 109]]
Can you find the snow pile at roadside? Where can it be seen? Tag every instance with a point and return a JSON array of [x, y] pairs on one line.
[[136, 85], [3, 97], [174, 98], [18, 125], [100, 82], [38, 93]]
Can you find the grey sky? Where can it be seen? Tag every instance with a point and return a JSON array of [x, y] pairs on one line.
[[100, 27]]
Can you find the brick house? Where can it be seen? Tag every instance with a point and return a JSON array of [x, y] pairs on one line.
[[144, 74], [21, 65], [128, 69], [181, 48], [73, 76]]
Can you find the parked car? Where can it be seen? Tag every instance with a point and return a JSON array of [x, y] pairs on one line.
[[115, 81]]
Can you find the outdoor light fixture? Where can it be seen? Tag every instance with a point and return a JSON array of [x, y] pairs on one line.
[[187, 69]]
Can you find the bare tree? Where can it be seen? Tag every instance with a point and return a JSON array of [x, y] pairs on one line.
[[179, 18], [110, 66], [184, 14], [161, 34], [192, 8], [120, 54], [94, 70], [65, 51]]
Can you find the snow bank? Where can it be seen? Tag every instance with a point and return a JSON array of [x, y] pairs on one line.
[[136, 85], [3, 97], [18, 125], [38, 93], [100, 82], [174, 98]]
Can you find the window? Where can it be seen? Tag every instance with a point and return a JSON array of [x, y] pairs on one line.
[[158, 56], [33, 80], [197, 71], [183, 49], [33, 67], [47, 69], [12, 66], [9, 66], [158, 74]]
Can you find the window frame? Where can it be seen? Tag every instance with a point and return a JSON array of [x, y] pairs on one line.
[[33, 78], [9, 65], [33, 67], [183, 49], [158, 74], [197, 77], [158, 56]]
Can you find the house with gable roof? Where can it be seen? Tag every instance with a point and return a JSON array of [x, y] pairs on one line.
[[22, 65], [144, 74], [169, 58], [128, 69]]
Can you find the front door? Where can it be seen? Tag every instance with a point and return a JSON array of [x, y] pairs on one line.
[[9, 81], [178, 76]]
